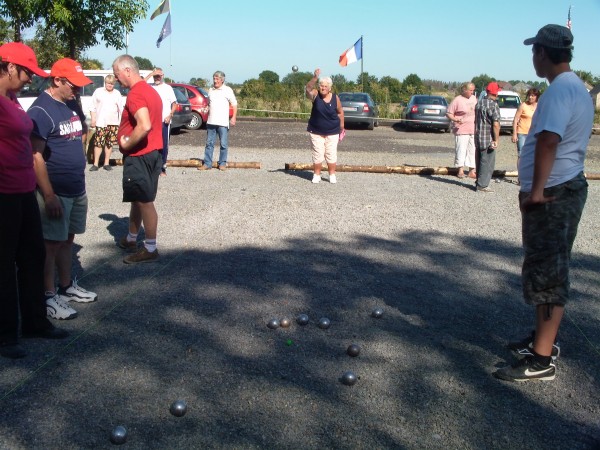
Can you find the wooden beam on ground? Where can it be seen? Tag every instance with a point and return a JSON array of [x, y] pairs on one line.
[[198, 163], [409, 170]]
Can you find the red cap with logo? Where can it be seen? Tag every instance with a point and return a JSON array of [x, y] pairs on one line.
[[21, 55], [71, 70], [493, 88]]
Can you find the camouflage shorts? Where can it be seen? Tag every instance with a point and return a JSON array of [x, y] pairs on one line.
[[106, 136], [549, 231]]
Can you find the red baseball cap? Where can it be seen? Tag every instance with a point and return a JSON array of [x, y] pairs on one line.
[[493, 88], [71, 70], [22, 55]]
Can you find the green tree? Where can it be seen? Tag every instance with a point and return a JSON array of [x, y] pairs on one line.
[[5, 31], [91, 64], [144, 63], [48, 47], [84, 23], [394, 88], [481, 81], [201, 82], [585, 76], [268, 77], [297, 79], [21, 14]]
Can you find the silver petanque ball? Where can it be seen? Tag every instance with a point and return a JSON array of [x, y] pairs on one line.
[[178, 408], [183, 173], [353, 350], [118, 436], [302, 319], [285, 322], [377, 313], [294, 68], [349, 378], [273, 323], [324, 323]]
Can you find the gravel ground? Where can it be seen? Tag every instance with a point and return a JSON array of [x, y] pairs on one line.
[[242, 247]]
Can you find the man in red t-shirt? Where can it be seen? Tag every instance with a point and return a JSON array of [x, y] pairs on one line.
[[140, 141]]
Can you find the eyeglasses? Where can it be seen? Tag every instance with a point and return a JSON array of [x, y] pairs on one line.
[[28, 72], [68, 83]]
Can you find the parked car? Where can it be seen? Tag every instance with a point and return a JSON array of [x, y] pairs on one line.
[[199, 102], [426, 111], [38, 84], [359, 108], [183, 113]]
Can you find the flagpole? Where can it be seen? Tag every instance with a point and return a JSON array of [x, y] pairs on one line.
[[362, 57]]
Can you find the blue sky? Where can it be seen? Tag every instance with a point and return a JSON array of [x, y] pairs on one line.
[[436, 39]]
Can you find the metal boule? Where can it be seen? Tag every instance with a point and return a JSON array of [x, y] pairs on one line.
[[324, 323], [178, 408], [302, 319], [377, 313], [349, 378], [285, 322], [118, 435], [273, 323], [353, 350]]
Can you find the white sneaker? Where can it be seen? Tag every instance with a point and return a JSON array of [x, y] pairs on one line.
[[75, 293], [57, 309], [332, 178], [316, 179]]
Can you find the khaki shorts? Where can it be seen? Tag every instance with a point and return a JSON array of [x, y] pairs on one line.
[[324, 147], [72, 221]]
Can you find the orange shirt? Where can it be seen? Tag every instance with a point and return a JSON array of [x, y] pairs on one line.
[[524, 122]]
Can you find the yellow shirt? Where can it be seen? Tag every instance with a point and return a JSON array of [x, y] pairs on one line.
[[524, 122]]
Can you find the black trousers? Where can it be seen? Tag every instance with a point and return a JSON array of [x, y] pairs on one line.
[[22, 255]]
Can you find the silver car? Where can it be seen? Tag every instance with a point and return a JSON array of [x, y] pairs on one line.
[[359, 108]]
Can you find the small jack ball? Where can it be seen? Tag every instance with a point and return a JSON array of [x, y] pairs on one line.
[[353, 350], [273, 323], [302, 319], [118, 436], [348, 378], [324, 323], [284, 323], [178, 408], [377, 313]]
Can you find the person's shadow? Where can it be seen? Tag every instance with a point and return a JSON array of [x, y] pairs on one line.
[[117, 226]]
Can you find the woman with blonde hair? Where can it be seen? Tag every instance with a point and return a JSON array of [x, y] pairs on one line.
[[522, 120], [325, 125]]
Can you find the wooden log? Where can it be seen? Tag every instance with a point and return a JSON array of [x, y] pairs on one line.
[[198, 163], [410, 170]]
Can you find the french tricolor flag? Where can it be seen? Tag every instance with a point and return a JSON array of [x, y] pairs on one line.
[[352, 55]]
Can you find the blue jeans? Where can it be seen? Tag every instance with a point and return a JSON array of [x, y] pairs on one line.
[[520, 142], [166, 129], [211, 136]]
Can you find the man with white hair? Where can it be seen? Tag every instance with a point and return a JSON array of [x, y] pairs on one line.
[[220, 98]]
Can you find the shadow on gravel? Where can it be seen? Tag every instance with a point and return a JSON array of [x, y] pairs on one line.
[[193, 326]]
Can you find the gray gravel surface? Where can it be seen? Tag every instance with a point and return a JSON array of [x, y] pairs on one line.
[[245, 246]]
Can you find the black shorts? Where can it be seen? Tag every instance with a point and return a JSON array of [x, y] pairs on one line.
[[140, 177]]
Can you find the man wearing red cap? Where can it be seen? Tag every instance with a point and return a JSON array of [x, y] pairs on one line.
[[553, 194], [59, 162], [487, 133]]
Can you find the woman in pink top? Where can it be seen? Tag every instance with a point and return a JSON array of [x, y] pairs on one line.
[[22, 251], [461, 113]]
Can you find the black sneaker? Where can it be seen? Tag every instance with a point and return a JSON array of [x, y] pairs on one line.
[[107, 167], [524, 348], [94, 169], [526, 369]]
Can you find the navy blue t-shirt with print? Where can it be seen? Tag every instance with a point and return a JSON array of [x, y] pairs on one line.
[[60, 125]]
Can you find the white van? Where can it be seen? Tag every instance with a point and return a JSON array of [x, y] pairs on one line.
[[30, 91]]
